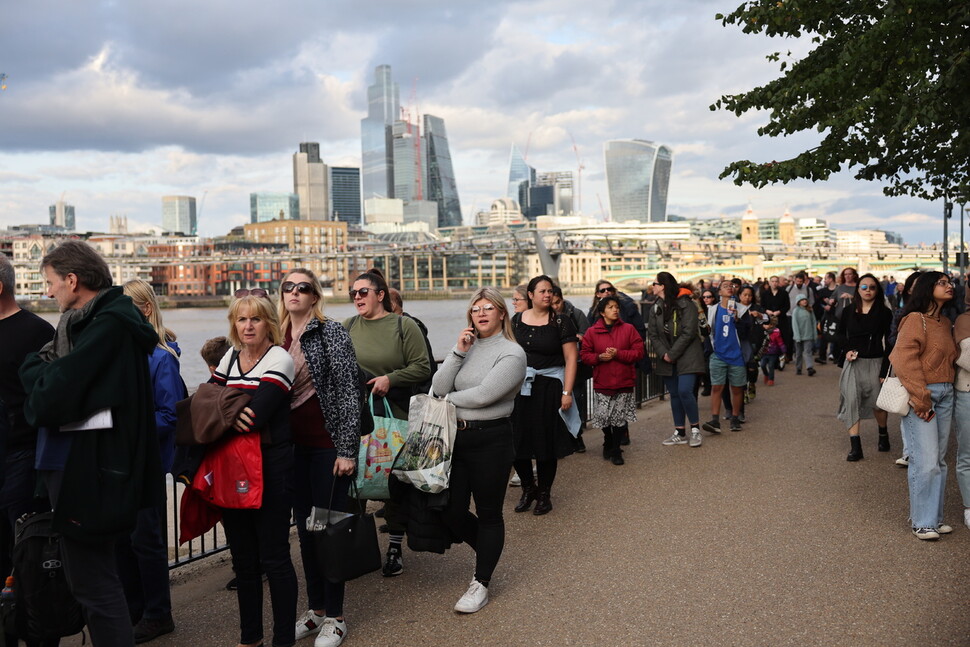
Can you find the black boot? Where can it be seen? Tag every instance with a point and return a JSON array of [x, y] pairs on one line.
[[624, 433], [528, 496], [607, 442], [883, 439], [578, 445], [617, 457], [543, 502], [855, 454]]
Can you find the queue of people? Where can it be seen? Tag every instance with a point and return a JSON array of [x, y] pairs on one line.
[[511, 375]]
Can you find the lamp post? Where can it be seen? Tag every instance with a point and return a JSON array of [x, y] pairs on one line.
[[963, 252], [947, 214]]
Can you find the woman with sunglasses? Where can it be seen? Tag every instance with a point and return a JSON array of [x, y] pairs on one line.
[[392, 353], [325, 425], [545, 402], [481, 376], [863, 334], [703, 386], [259, 540], [923, 360]]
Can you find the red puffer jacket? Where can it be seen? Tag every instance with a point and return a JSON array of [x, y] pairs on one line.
[[619, 374]]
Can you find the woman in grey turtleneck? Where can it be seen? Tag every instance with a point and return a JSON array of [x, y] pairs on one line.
[[481, 376]]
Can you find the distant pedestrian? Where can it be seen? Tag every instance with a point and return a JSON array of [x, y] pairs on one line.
[[727, 360], [774, 350], [923, 360], [520, 300], [804, 332]]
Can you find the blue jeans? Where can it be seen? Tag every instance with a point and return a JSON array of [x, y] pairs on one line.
[[683, 404], [768, 364], [961, 415], [926, 443]]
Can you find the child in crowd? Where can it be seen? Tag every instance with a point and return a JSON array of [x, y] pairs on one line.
[[804, 332], [213, 351], [775, 350]]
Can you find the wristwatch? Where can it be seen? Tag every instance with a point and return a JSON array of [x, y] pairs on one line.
[[569, 393]]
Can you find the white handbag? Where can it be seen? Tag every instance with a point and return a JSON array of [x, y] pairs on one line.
[[893, 396]]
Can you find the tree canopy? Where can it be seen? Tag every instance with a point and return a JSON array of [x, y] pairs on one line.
[[886, 84]]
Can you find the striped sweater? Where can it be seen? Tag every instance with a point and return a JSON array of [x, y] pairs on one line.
[[269, 383]]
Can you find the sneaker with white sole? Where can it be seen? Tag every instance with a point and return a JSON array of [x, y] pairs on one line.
[[903, 461], [676, 439], [308, 624], [332, 633], [515, 481], [474, 599], [695, 437], [712, 426], [926, 533], [966, 517], [944, 529]]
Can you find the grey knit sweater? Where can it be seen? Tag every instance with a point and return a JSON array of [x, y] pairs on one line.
[[483, 383]]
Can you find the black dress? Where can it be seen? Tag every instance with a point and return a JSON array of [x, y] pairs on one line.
[[538, 430]]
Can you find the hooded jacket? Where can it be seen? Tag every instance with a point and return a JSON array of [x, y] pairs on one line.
[[110, 473], [676, 336]]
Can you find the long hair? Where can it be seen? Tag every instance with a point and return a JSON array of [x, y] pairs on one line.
[[261, 307], [143, 296], [596, 290], [880, 301], [493, 296], [317, 311], [903, 297], [921, 298], [858, 278], [671, 290], [376, 278], [534, 283]]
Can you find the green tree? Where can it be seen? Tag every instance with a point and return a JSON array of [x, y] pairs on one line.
[[886, 84]]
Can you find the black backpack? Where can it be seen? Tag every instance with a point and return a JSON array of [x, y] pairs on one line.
[[46, 608]]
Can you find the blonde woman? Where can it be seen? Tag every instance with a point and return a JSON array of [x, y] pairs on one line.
[[143, 557], [481, 376]]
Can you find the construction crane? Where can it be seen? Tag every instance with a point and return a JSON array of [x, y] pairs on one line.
[[3, 81], [579, 175]]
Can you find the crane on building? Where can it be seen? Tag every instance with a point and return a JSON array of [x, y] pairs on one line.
[[579, 175]]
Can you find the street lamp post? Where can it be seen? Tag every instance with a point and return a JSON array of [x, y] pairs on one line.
[[947, 214]]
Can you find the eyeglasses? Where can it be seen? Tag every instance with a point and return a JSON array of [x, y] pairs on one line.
[[302, 287], [487, 308], [255, 292], [517, 299], [605, 290], [708, 296], [865, 286], [945, 283], [362, 292], [655, 284]]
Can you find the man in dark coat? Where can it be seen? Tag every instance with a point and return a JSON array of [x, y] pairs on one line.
[[89, 391]]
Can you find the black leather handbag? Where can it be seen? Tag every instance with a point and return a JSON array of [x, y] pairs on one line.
[[346, 548]]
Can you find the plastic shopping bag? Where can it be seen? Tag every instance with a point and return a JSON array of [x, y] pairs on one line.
[[425, 459], [378, 451]]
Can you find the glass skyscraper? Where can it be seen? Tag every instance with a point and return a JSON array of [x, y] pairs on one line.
[[383, 107], [637, 178], [266, 206], [62, 215], [408, 170], [440, 186], [519, 172], [178, 214], [345, 195]]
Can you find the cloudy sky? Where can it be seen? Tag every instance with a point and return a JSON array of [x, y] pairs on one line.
[[115, 104]]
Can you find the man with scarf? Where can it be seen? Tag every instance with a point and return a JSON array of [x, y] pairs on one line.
[[89, 392]]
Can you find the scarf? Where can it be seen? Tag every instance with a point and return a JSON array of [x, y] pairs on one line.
[[303, 388], [62, 344]]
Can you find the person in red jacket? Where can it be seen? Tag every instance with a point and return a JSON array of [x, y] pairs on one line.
[[612, 348]]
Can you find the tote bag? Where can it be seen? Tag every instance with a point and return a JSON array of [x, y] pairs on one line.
[[231, 474], [378, 451], [346, 544], [425, 460]]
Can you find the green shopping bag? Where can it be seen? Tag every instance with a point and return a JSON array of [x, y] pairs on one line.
[[378, 451]]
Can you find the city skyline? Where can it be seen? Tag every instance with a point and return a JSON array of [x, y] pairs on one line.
[[100, 107]]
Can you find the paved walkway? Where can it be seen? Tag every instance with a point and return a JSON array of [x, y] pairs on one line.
[[763, 537]]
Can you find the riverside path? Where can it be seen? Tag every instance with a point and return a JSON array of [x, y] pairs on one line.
[[765, 537]]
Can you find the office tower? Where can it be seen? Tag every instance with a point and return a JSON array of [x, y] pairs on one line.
[[178, 214], [519, 173], [637, 178], [540, 201], [383, 106], [62, 215], [440, 186], [408, 153], [311, 182], [345, 195], [266, 206], [562, 193]]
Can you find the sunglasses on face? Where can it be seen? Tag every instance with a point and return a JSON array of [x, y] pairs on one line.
[[488, 309], [255, 292], [865, 286], [362, 292], [605, 290], [655, 284], [302, 287]]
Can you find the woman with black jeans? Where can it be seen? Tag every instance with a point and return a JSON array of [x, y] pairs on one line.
[[481, 377], [325, 422]]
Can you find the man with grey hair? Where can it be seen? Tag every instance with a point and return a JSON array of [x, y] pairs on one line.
[[21, 332], [89, 390]]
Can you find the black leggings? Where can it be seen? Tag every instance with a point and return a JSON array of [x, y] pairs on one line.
[[480, 468], [545, 472]]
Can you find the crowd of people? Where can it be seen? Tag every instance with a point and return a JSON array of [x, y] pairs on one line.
[[302, 386]]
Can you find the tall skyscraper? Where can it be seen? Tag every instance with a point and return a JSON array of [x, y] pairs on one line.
[[383, 106], [562, 192], [311, 182], [408, 154], [637, 178], [62, 215], [178, 214], [345, 195], [519, 172], [266, 206], [440, 186]]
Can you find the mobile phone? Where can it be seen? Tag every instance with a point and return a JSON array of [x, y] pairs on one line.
[[931, 416]]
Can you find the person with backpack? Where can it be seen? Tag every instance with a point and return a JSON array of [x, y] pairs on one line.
[[397, 305], [393, 354]]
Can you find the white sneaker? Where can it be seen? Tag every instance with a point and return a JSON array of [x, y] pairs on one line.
[[308, 624], [695, 437], [332, 633], [966, 517], [903, 461], [944, 529], [474, 599], [515, 481]]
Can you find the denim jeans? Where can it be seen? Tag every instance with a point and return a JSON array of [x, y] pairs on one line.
[[683, 404], [768, 364], [926, 443], [961, 415]]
